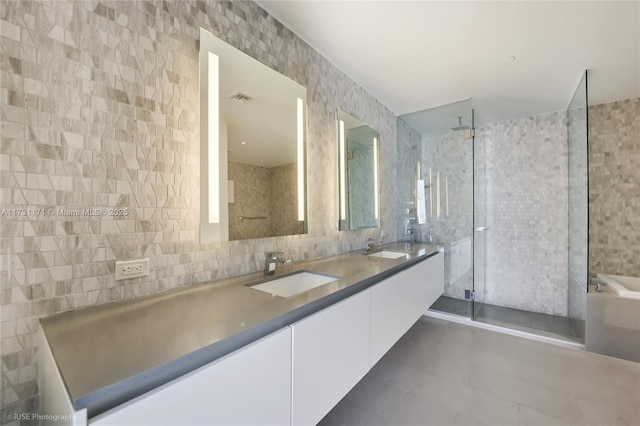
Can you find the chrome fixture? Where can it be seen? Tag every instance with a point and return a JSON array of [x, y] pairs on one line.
[[372, 244], [272, 259], [460, 126]]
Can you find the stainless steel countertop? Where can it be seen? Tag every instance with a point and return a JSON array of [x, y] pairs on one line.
[[111, 353]]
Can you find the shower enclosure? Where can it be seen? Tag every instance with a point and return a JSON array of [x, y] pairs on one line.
[[438, 150], [505, 199]]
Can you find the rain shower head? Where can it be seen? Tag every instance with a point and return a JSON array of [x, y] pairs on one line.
[[460, 126]]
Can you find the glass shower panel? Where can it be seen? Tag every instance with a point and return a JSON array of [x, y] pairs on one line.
[[480, 228], [441, 140], [578, 137]]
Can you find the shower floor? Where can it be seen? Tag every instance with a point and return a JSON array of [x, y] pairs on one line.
[[451, 305], [553, 326]]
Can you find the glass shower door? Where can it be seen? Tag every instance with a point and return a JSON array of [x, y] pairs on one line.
[[442, 138]]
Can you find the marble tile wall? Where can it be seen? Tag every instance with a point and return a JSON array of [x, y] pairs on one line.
[[252, 190], [265, 202], [361, 186], [283, 203], [614, 188], [99, 113], [409, 152], [526, 212]]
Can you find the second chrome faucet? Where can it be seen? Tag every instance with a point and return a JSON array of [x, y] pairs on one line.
[[272, 259]]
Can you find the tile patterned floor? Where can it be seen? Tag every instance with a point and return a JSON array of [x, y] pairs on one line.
[[443, 373]]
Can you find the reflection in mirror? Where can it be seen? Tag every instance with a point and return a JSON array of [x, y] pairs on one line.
[[358, 173], [252, 147]]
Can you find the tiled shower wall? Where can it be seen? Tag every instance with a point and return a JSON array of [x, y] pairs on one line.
[[283, 199], [251, 187], [409, 152], [360, 185], [265, 201], [526, 212], [614, 188], [100, 109]]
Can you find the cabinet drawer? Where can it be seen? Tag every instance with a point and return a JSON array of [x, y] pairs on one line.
[[251, 386], [330, 355], [400, 300]]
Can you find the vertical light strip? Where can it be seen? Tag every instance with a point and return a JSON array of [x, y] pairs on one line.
[[438, 196], [300, 155], [430, 194], [213, 112], [376, 200], [343, 171], [446, 192]]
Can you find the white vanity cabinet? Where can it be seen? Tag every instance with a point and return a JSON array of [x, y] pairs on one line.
[[330, 355], [398, 301], [293, 376], [251, 386]]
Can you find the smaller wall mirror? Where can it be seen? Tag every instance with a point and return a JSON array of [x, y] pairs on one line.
[[358, 151]]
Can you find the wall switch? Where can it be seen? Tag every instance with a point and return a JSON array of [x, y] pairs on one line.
[[126, 269]]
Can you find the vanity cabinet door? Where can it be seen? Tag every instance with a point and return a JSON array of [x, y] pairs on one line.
[[251, 386], [400, 300], [330, 355]]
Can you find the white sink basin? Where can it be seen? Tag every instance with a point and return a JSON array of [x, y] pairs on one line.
[[293, 284], [386, 254]]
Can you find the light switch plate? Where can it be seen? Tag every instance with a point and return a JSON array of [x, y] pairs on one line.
[[126, 269]]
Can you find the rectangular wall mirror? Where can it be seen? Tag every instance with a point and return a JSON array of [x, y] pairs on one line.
[[253, 147], [358, 179]]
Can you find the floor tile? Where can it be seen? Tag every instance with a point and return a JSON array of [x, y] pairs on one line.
[[464, 420], [413, 410], [596, 413], [488, 408], [388, 370], [377, 397], [549, 401], [530, 417], [350, 413], [444, 373]]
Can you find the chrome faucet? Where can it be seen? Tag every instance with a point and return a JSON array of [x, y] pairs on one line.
[[372, 243], [369, 246], [272, 259]]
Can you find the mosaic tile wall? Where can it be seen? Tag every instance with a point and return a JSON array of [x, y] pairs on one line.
[[251, 199], [526, 211], [409, 152], [283, 203], [100, 110], [361, 185], [265, 201], [614, 188]]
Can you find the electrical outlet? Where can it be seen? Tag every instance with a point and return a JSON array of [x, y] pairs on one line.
[[126, 269]]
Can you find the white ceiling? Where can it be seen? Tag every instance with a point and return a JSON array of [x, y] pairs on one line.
[[414, 55]]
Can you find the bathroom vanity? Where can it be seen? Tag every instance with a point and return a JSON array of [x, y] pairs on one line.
[[226, 353]]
